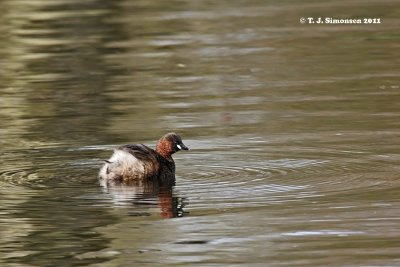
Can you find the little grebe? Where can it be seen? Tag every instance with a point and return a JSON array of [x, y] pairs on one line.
[[131, 164]]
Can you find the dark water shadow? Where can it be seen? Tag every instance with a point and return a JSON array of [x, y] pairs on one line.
[[59, 227], [142, 195]]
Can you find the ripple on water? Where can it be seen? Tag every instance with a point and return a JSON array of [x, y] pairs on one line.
[[257, 181], [226, 180], [48, 167]]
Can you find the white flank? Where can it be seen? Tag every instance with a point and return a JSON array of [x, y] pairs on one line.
[[122, 163], [126, 160]]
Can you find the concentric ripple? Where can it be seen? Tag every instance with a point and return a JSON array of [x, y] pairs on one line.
[[234, 177], [47, 167], [259, 181]]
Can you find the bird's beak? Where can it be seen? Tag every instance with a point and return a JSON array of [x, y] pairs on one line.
[[183, 146]]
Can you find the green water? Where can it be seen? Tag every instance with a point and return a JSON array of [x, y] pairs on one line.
[[293, 129]]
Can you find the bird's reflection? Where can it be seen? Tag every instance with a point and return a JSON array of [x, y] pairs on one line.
[[147, 193]]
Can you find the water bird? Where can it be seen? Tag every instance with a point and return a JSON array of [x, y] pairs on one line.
[[136, 163]]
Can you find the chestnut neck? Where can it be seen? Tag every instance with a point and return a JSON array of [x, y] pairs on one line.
[[164, 149]]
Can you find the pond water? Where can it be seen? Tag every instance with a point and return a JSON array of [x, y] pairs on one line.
[[294, 132]]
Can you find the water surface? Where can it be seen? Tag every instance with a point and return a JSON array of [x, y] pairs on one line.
[[293, 129]]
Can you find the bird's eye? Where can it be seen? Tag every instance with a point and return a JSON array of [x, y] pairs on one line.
[[178, 146]]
